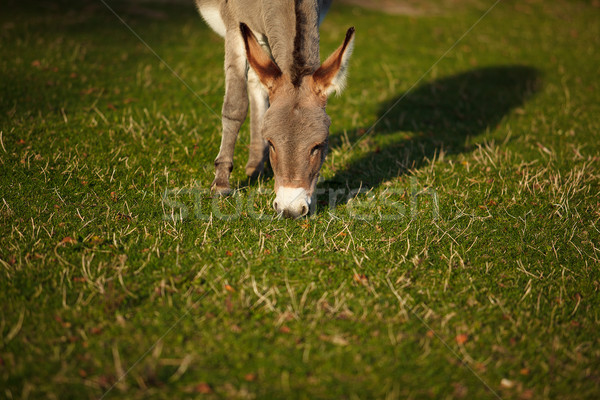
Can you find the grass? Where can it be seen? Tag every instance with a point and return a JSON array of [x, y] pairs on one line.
[[466, 266]]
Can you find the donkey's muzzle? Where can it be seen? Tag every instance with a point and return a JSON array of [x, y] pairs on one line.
[[291, 202]]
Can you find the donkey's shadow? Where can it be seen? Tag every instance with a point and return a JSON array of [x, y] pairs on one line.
[[438, 115]]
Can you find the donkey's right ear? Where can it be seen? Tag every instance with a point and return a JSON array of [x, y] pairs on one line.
[[268, 72], [331, 75]]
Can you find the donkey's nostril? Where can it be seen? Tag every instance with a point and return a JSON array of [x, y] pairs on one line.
[[304, 209], [276, 206]]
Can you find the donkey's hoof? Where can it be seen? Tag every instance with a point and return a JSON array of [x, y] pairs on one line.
[[253, 170], [220, 188]]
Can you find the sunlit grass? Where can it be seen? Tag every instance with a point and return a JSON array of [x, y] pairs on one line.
[[453, 251]]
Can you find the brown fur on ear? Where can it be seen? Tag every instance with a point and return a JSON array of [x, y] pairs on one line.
[[268, 72], [331, 75]]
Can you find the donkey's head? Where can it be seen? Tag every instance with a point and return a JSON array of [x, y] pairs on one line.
[[296, 125]]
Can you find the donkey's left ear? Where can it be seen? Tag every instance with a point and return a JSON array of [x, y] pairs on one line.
[[268, 72], [331, 75]]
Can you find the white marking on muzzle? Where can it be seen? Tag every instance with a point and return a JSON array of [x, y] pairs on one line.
[[291, 202]]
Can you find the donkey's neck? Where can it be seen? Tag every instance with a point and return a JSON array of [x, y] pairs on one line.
[[293, 39]]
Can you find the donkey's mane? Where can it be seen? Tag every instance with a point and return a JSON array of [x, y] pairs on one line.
[[304, 30]]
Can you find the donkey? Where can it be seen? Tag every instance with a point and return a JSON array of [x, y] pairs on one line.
[[272, 62]]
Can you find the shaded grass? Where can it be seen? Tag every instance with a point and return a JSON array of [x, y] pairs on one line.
[[488, 273]]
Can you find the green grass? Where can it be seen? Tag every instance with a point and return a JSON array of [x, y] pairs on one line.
[[484, 284]]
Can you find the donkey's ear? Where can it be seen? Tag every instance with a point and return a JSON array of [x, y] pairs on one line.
[[331, 75], [268, 72]]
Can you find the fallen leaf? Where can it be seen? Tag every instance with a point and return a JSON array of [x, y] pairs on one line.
[[96, 330], [480, 367], [284, 329], [229, 288], [524, 371], [462, 338], [361, 278], [203, 388], [430, 334], [250, 377], [228, 253], [68, 240]]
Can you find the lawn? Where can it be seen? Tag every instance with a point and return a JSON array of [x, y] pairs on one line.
[[454, 251]]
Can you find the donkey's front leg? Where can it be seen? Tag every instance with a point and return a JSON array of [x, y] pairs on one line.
[[259, 102], [235, 108]]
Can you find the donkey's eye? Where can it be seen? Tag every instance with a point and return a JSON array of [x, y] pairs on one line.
[[315, 150]]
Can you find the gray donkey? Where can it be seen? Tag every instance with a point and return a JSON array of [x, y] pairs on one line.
[[286, 86]]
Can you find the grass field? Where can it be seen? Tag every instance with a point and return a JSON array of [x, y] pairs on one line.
[[454, 251]]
